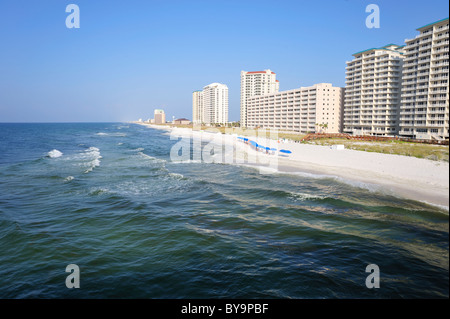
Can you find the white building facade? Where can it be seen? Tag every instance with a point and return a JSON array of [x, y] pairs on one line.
[[256, 83], [215, 104], [424, 112], [373, 91]]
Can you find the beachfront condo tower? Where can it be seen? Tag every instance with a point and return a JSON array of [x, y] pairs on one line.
[[254, 84], [424, 112], [305, 110], [215, 104], [197, 107], [160, 117], [373, 91]]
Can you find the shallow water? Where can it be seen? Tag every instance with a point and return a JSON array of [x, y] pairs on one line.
[[107, 198]]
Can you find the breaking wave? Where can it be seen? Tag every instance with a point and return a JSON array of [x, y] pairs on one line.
[[54, 154]]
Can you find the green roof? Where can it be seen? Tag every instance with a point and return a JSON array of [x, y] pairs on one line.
[[364, 51], [382, 48], [432, 23]]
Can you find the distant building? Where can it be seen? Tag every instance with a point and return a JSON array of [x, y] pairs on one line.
[[160, 116], [197, 107], [318, 108], [256, 83], [210, 106], [182, 121], [215, 103]]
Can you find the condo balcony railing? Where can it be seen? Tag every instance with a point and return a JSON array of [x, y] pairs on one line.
[[442, 58], [439, 78], [438, 98], [436, 125], [438, 70], [440, 64], [441, 43], [425, 67], [438, 84], [427, 59]]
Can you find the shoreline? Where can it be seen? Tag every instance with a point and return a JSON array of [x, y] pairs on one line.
[[403, 176]]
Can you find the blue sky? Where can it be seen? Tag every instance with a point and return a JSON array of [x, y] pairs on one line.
[[130, 57]]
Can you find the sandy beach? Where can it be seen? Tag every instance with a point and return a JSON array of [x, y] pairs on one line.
[[409, 177]]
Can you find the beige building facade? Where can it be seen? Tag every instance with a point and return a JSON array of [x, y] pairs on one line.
[[160, 117], [197, 107], [305, 110]]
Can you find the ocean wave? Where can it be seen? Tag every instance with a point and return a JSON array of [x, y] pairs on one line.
[[186, 162], [157, 160], [93, 164], [54, 154], [94, 156], [111, 134], [374, 188], [69, 178], [176, 175], [442, 207], [304, 196], [358, 184]]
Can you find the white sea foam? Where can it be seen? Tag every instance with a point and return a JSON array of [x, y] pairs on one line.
[[368, 186], [111, 134], [92, 154], [69, 178], [157, 160], [304, 196], [176, 175], [186, 162], [54, 154], [443, 207]]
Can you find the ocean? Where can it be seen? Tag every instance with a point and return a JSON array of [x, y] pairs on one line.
[[107, 198]]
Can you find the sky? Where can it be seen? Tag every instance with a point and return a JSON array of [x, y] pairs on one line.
[[131, 57]]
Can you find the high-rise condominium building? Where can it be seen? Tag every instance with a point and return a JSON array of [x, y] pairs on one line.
[[253, 84], [215, 104], [308, 109], [424, 112], [160, 117], [197, 107], [373, 91]]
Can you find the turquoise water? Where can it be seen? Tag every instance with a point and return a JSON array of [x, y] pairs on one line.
[[141, 226]]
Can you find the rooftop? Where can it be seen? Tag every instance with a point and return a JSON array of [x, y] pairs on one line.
[[382, 48], [256, 72], [430, 24]]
